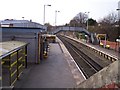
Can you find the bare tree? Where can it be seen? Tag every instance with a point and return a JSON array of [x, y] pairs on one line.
[[110, 19], [79, 20], [73, 23], [108, 26]]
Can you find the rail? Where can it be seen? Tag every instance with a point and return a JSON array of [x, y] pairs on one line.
[[85, 63], [101, 53]]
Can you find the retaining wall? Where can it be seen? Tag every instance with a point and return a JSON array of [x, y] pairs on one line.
[[105, 77]]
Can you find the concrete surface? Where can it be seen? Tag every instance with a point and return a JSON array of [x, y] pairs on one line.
[[53, 72], [106, 76], [77, 73]]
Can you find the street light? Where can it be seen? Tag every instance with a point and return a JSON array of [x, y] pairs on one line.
[[87, 18], [117, 9], [44, 14], [118, 13], [23, 18], [118, 26], [56, 16], [23, 21]]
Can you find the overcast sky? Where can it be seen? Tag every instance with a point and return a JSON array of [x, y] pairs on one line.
[[33, 9]]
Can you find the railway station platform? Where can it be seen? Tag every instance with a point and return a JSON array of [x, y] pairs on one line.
[[112, 53], [57, 71]]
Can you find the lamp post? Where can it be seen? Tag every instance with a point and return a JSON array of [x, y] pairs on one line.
[[23, 21], [44, 13], [23, 18], [56, 16], [117, 9], [87, 18], [118, 27], [118, 14]]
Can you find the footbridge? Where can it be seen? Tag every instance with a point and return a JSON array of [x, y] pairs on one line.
[[91, 36], [76, 29]]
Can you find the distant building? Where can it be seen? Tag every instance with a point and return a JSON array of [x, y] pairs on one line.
[[20, 23]]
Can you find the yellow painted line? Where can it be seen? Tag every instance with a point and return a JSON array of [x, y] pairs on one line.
[[20, 58], [13, 73], [14, 82], [13, 63], [20, 66], [13, 54]]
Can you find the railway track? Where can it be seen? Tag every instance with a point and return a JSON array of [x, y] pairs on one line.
[[85, 63]]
